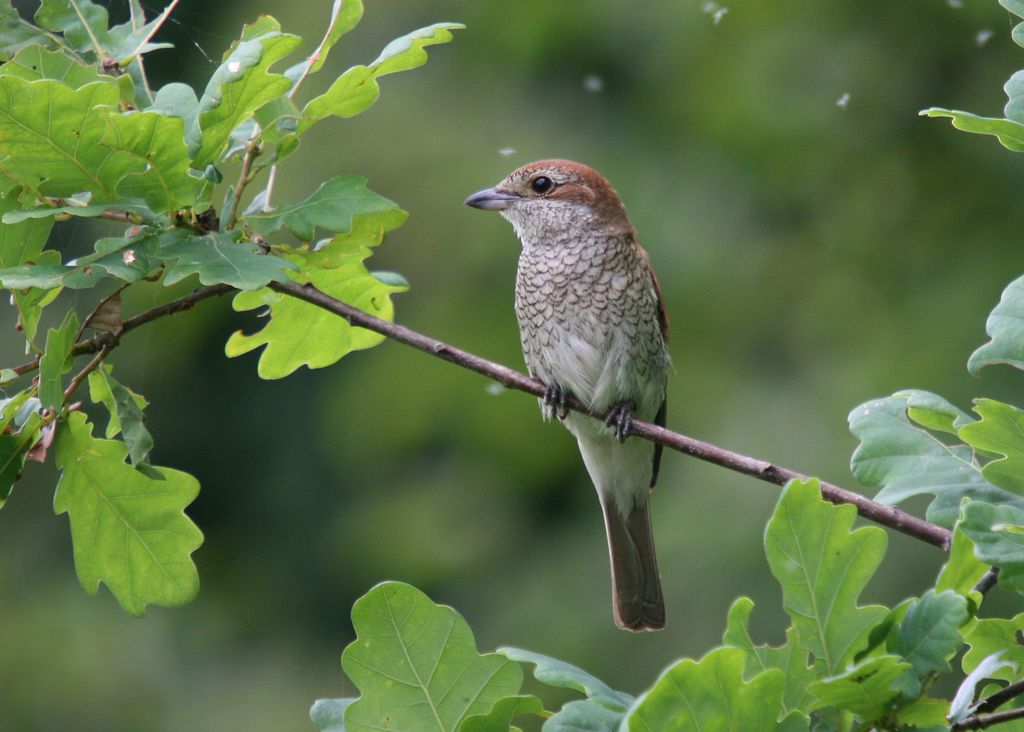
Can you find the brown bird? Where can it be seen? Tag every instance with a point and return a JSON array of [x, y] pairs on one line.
[[592, 324]]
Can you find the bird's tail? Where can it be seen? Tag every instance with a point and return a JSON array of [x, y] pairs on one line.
[[636, 587]]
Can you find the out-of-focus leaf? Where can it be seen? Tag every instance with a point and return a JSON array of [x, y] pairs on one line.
[[345, 15], [1009, 133], [217, 258], [16, 439], [125, 408], [963, 569], [357, 89], [499, 719], [928, 637], [329, 714], [710, 694], [56, 361], [16, 33], [866, 688], [128, 527], [989, 668], [332, 206], [129, 40], [905, 460], [1005, 329], [416, 665], [790, 658], [823, 565], [83, 22], [240, 86], [300, 334], [989, 636], [998, 536], [562, 675], [29, 304], [82, 210]]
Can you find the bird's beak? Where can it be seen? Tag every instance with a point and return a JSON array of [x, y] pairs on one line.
[[491, 199]]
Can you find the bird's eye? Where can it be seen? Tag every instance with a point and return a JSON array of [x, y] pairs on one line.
[[541, 184]]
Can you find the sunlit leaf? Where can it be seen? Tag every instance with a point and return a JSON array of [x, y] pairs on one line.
[[790, 658], [1000, 431], [998, 536], [1009, 133], [562, 675], [16, 33], [499, 719], [963, 569], [345, 15], [710, 694], [866, 688], [989, 636], [83, 22], [331, 206], [1005, 329], [823, 566], [20, 242], [416, 665], [36, 62], [240, 86], [300, 334], [925, 713], [357, 89], [125, 408], [57, 361], [128, 527], [906, 460]]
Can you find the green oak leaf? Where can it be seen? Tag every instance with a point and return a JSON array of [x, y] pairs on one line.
[[300, 334], [562, 675], [129, 40], [925, 713], [156, 142], [1000, 431], [867, 688], [992, 667], [217, 258], [179, 100], [332, 206], [19, 431], [329, 714], [29, 303], [83, 210], [933, 412], [56, 361], [17, 33], [21, 241], [83, 22], [584, 715], [989, 636], [416, 665], [240, 86], [357, 89], [36, 62], [1009, 133], [710, 694], [823, 566], [906, 460], [928, 637], [790, 658], [125, 408], [963, 569], [998, 536], [345, 15], [128, 527], [499, 719], [1005, 329]]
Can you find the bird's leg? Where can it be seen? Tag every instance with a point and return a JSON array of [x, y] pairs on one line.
[[554, 401], [620, 417]]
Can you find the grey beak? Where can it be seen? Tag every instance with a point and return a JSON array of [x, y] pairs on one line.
[[491, 199]]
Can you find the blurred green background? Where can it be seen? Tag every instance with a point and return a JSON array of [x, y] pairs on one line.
[[813, 255]]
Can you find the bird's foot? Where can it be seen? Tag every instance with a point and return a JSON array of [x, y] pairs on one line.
[[621, 418], [555, 401]]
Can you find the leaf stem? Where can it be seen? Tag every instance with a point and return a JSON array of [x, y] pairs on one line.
[[244, 178], [88, 29]]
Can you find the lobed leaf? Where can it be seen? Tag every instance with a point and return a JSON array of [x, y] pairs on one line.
[[240, 86], [584, 715], [906, 460], [790, 658], [991, 667], [929, 636], [499, 719], [16, 33], [21, 241], [1005, 328], [963, 569], [823, 565], [345, 15], [357, 89], [416, 665], [329, 714], [125, 409], [217, 258], [332, 206], [128, 527], [562, 675], [998, 536], [990, 636], [1009, 133], [1000, 431], [33, 63], [83, 22], [56, 361], [710, 694], [867, 688]]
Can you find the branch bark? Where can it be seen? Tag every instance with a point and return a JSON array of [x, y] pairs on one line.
[[879, 513], [982, 721]]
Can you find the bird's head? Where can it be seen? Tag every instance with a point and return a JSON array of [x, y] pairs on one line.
[[548, 200]]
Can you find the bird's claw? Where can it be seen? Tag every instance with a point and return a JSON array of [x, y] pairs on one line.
[[621, 418], [555, 401]]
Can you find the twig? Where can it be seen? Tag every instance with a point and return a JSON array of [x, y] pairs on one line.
[[77, 379], [987, 580], [1000, 697], [244, 178], [877, 512], [981, 721]]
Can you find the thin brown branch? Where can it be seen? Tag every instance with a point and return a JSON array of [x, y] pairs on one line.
[[763, 470], [1002, 696], [244, 178], [77, 379], [982, 721]]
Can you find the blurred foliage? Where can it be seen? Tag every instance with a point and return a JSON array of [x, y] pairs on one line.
[[812, 256]]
